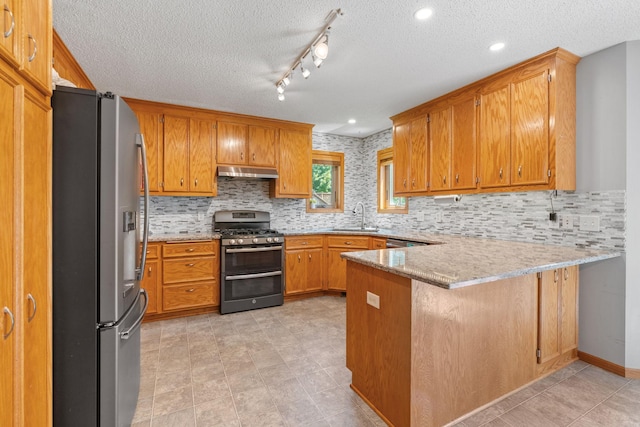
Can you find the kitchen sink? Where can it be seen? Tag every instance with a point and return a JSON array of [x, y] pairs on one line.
[[356, 229]]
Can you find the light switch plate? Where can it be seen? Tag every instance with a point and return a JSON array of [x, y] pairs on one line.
[[566, 222], [420, 216], [373, 300], [589, 223]]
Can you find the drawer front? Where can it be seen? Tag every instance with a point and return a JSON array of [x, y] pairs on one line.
[[170, 250], [153, 250], [303, 242], [189, 269], [378, 243], [180, 297], [358, 242]]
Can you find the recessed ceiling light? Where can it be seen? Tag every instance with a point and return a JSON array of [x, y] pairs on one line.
[[496, 46], [422, 14], [352, 121]]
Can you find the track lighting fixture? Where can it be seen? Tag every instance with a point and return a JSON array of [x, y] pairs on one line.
[[318, 48]]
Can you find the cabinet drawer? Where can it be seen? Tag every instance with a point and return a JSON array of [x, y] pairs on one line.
[[153, 250], [303, 242], [170, 250], [378, 243], [179, 297], [189, 269], [359, 242]]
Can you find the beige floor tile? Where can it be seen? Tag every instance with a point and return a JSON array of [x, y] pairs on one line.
[[303, 366], [253, 401], [166, 382], [603, 379], [515, 399], [523, 417], [172, 341], [552, 409], [497, 422], [206, 372], [147, 386], [334, 401], [288, 390], [172, 401], [275, 374], [264, 419], [245, 381], [340, 374], [266, 357], [577, 393], [210, 390], [184, 418], [316, 382], [144, 410], [146, 423], [352, 418], [217, 413], [300, 412], [483, 417]]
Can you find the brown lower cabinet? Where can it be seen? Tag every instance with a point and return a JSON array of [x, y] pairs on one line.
[[181, 278], [303, 264]]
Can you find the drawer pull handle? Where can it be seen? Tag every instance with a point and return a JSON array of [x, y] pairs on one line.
[[181, 181], [254, 157], [309, 257], [444, 179], [348, 243], [190, 290], [298, 258], [189, 250], [196, 182], [304, 243], [457, 178], [404, 183], [555, 275], [35, 307], [13, 321], [190, 265], [566, 274], [35, 48], [500, 173], [241, 156], [13, 22]]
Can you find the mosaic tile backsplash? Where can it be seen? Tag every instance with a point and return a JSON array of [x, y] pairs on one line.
[[520, 216]]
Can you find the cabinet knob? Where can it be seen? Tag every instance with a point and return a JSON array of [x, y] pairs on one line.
[[500, 173], [149, 270], [196, 182], [35, 48], [190, 290], [33, 304], [404, 183], [566, 274], [284, 185], [348, 243], [241, 156], [413, 182], [309, 257], [444, 179], [304, 243], [189, 249], [253, 156], [13, 22], [181, 181], [190, 264], [13, 321], [520, 171], [299, 258], [457, 178]]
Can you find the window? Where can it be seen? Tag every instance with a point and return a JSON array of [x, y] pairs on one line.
[[327, 179], [386, 201]]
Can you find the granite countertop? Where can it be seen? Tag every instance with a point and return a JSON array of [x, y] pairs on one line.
[[464, 261], [178, 237]]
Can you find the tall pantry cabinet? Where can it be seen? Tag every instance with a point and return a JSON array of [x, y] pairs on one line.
[[25, 208]]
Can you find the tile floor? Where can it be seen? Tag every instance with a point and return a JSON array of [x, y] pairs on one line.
[[285, 366]]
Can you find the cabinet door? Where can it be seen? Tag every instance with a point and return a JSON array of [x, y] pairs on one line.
[[262, 146], [314, 269], [151, 129], [463, 144], [176, 153], [495, 138], [549, 296], [401, 166], [569, 319], [295, 163], [295, 271], [336, 269], [9, 31], [150, 284], [200, 156], [10, 94], [36, 42], [530, 130], [418, 155], [232, 142], [440, 149], [36, 300]]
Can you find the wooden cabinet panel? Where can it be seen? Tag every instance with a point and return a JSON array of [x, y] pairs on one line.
[[151, 129], [188, 269], [9, 44], [530, 130], [153, 251], [569, 309], [170, 250], [294, 168], [36, 295], [150, 283], [315, 266], [201, 156], [180, 297], [495, 138], [262, 146], [358, 242], [10, 93], [463, 144], [336, 269], [303, 242], [401, 156], [176, 153], [232, 141], [295, 271], [378, 243], [418, 156], [36, 42], [440, 140]]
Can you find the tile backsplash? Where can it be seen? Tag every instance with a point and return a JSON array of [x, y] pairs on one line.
[[522, 216]]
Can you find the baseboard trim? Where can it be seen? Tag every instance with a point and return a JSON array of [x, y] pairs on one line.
[[634, 374], [606, 365]]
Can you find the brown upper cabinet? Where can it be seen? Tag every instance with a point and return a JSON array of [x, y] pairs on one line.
[[410, 157], [241, 144], [294, 166], [512, 131]]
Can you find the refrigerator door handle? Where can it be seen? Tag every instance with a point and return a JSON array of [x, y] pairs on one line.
[[145, 234], [125, 334]]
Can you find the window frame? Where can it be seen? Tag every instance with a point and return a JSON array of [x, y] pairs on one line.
[[385, 157], [333, 158]]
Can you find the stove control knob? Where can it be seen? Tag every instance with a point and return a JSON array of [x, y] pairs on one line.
[[276, 239], [269, 240], [240, 241], [232, 241], [255, 240]]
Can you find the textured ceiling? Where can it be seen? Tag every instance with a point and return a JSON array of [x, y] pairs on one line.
[[227, 54]]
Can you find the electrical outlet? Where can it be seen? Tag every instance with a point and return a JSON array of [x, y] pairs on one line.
[[566, 222], [200, 216], [373, 300], [589, 223], [420, 216], [438, 216]]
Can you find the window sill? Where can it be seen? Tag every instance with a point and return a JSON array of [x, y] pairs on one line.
[[334, 210], [394, 211]]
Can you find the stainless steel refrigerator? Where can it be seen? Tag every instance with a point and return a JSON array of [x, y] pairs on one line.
[[98, 305]]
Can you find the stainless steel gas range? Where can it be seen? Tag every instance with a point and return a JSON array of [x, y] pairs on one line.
[[251, 269]]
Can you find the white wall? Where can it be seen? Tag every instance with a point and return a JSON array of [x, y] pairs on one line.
[[632, 333]]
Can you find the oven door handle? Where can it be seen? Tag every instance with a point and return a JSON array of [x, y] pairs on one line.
[[264, 249], [254, 276]]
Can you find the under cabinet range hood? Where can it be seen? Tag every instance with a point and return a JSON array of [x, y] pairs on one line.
[[247, 172]]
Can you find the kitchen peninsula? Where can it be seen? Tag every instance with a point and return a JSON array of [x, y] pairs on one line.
[[435, 332]]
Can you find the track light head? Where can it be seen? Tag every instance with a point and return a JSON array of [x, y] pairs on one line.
[[287, 80], [316, 60], [280, 88], [281, 97], [305, 71], [321, 49]]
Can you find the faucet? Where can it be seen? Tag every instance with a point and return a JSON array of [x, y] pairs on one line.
[[355, 210]]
